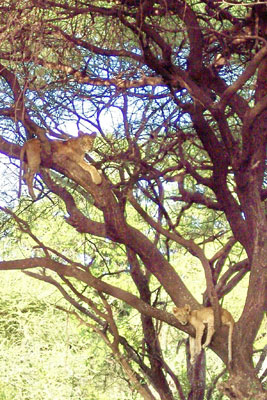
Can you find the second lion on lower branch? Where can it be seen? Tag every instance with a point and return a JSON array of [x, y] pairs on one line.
[[198, 318]]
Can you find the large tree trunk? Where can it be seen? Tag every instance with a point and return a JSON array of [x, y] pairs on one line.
[[243, 385], [243, 382]]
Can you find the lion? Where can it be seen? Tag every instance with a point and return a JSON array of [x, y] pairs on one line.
[[74, 149], [198, 318]]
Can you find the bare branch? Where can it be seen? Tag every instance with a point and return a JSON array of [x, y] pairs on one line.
[[246, 75]]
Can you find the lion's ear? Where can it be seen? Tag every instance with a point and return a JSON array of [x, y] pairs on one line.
[[187, 307]]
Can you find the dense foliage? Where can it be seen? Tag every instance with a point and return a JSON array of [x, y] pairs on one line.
[[176, 92]]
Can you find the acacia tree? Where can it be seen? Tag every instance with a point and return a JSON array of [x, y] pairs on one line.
[[177, 94]]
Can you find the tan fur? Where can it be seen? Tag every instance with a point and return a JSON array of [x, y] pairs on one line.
[[32, 148], [74, 149], [198, 318]]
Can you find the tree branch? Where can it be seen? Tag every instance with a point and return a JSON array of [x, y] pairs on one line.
[[243, 78], [78, 273]]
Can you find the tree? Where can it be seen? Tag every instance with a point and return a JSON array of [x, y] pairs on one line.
[[177, 93]]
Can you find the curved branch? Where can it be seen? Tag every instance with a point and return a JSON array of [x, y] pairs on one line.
[[9, 149], [14, 85], [18, 111], [243, 78], [96, 49], [226, 283], [85, 276], [190, 245], [194, 197], [76, 218], [72, 301], [187, 15]]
